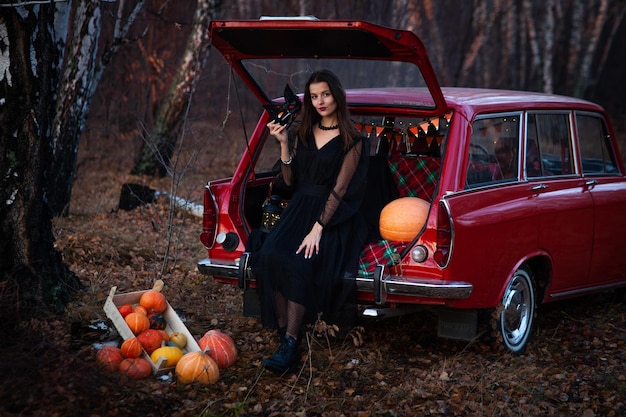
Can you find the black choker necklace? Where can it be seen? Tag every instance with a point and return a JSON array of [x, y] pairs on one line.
[[333, 127]]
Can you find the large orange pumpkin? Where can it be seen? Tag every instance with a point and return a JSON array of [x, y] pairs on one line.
[[150, 339], [109, 358], [221, 347], [402, 219], [197, 367], [136, 368], [131, 348], [137, 322]]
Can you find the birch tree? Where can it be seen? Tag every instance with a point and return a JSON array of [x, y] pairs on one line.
[[80, 79], [33, 277], [159, 146]]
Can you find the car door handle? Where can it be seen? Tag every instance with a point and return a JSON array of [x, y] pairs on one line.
[[591, 183], [539, 187]]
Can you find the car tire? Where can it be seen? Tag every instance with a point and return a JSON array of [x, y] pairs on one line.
[[512, 321]]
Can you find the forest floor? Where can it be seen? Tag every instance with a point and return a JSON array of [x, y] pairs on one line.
[[575, 364]]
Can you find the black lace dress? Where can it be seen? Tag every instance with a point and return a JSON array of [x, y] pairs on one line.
[[329, 185]]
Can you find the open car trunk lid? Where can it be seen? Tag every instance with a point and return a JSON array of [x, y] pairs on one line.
[[272, 52]]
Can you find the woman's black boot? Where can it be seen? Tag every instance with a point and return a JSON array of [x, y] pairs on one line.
[[286, 357]]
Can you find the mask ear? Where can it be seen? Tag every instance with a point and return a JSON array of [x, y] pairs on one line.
[[285, 113]]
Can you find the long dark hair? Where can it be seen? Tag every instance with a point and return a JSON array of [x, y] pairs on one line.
[[310, 116]]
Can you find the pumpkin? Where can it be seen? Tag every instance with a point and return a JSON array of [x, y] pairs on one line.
[[157, 321], [179, 338], [171, 354], [197, 367], [164, 335], [136, 368], [153, 300], [137, 322], [140, 310], [131, 348], [125, 309], [109, 358], [150, 339], [220, 347], [402, 219]]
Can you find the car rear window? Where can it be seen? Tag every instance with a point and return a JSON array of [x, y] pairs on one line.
[[494, 150]]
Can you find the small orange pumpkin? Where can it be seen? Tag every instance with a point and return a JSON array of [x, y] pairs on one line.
[[109, 358], [136, 368], [197, 367], [131, 348], [402, 219], [221, 347], [150, 340], [153, 300], [137, 322], [140, 310]]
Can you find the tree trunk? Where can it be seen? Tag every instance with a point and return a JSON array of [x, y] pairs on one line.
[[158, 148], [73, 104], [79, 82], [33, 278]]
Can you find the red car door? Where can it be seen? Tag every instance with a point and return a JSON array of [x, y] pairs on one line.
[[605, 182], [565, 206]]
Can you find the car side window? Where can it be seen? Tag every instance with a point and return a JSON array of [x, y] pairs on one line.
[[548, 145], [493, 151], [596, 152]]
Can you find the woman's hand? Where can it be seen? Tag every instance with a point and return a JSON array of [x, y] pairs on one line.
[[278, 131], [311, 242]]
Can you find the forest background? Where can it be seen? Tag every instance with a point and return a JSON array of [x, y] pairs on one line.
[[565, 47]]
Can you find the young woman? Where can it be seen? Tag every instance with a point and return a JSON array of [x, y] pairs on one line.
[[308, 261]]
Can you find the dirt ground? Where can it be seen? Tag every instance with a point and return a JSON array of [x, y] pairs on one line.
[[575, 364]]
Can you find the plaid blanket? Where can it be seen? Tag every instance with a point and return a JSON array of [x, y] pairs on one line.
[[383, 252], [415, 177]]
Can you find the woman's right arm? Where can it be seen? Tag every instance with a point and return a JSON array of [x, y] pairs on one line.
[[280, 133]]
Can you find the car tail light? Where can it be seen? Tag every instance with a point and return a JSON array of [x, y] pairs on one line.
[[209, 219], [444, 235]]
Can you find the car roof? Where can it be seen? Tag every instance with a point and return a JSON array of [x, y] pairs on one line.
[[468, 100]]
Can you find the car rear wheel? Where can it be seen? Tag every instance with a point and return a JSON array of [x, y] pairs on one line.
[[514, 318]]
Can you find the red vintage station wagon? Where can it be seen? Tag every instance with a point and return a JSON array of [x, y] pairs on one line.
[[525, 192]]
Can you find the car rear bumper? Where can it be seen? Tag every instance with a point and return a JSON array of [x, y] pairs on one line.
[[220, 268], [381, 284]]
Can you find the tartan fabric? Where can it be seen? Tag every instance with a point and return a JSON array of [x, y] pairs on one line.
[[415, 177], [382, 252]]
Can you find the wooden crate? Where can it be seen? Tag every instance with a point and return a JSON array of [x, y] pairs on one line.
[[174, 324]]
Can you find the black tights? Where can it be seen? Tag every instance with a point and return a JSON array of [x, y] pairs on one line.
[[289, 314]]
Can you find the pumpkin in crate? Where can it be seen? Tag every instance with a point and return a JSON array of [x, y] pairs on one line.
[[221, 347], [136, 368], [171, 354], [153, 300], [109, 358], [164, 335], [197, 367], [150, 339], [402, 219], [131, 348], [125, 309], [157, 321], [137, 322]]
